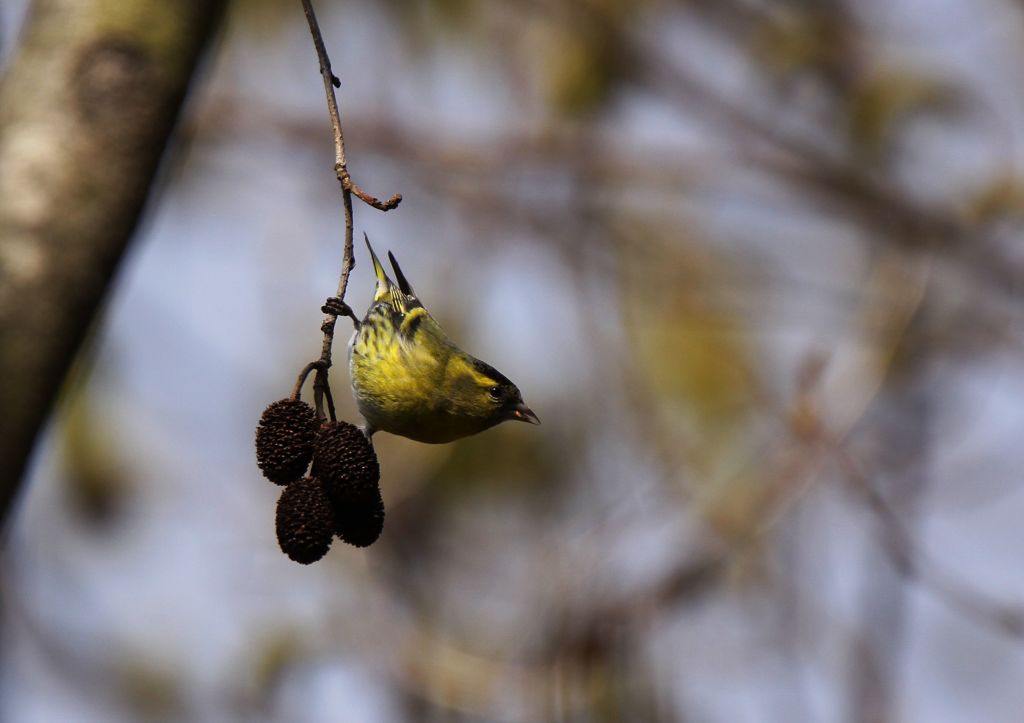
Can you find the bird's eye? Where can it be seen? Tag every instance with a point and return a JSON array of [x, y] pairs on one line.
[[495, 392]]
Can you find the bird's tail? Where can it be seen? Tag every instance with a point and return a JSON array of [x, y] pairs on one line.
[[384, 284]]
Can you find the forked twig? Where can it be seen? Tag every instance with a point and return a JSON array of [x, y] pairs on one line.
[[321, 388]]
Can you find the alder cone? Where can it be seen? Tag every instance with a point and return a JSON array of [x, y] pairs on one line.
[[304, 521], [344, 459], [284, 440]]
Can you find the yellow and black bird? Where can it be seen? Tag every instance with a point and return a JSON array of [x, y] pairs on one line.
[[410, 379]]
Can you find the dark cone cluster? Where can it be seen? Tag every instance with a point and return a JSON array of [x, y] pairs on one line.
[[344, 459], [305, 521], [341, 496], [284, 440]]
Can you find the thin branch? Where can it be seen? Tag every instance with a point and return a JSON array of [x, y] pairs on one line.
[[321, 388], [329, 81], [909, 560], [372, 201], [303, 375]]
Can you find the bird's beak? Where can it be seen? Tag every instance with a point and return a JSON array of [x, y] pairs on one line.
[[524, 414]]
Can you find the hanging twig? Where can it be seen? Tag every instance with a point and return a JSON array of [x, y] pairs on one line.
[[303, 375], [321, 389]]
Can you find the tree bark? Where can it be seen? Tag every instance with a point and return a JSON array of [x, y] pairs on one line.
[[87, 106]]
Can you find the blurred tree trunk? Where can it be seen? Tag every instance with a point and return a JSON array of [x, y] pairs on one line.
[[86, 109]]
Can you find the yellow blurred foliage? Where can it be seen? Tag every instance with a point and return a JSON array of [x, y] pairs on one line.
[[697, 360], [880, 104]]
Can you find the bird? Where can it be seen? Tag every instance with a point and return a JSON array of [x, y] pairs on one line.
[[410, 379]]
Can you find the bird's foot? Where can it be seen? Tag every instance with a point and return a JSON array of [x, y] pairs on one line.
[[337, 307]]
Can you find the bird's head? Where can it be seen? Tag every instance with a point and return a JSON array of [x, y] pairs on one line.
[[484, 392]]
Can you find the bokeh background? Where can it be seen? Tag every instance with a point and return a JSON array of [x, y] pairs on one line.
[[756, 265]]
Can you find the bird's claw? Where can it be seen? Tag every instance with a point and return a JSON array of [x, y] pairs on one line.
[[337, 307]]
